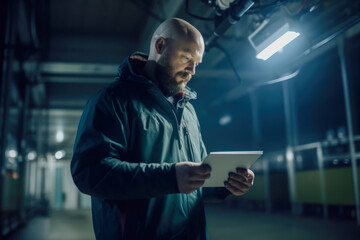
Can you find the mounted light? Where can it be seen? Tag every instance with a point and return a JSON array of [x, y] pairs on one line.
[[277, 45], [271, 36], [224, 4]]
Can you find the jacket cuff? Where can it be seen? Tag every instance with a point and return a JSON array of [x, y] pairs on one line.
[[166, 180], [173, 178]]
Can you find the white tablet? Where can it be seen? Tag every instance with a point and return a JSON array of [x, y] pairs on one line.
[[222, 163]]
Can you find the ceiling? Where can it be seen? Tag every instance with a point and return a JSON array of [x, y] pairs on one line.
[[83, 41]]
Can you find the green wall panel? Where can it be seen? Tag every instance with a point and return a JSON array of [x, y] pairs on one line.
[[308, 187], [339, 187]]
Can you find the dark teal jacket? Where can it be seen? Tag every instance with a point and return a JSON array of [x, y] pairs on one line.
[[128, 142]]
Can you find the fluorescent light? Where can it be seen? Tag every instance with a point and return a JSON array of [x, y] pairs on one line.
[[59, 136], [277, 45]]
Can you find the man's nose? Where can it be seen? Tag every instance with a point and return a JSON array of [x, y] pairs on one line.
[[191, 68]]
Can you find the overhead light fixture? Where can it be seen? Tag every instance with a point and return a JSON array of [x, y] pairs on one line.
[[277, 45], [272, 35]]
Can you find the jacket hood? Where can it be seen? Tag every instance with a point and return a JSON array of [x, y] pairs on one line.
[[132, 69]]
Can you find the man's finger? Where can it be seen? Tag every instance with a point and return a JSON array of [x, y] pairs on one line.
[[241, 179], [196, 184], [238, 185], [247, 173], [233, 190], [202, 169], [199, 177]]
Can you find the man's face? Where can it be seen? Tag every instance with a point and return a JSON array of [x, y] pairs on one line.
[[177, 64]]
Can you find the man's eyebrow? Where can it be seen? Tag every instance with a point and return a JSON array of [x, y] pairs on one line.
[[188, 50]]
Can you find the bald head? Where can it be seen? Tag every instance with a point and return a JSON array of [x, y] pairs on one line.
[[176, 49], [174, 29]]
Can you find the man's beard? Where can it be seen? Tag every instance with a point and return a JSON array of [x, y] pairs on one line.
[[168, 82]]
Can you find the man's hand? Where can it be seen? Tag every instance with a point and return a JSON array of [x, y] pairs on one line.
[[191, 176], [240, 182]]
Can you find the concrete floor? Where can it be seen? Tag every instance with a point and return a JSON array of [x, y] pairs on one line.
[[229, 224], [224, 223], [60, 225]]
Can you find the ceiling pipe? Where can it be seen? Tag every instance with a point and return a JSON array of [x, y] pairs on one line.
[[236, 12]]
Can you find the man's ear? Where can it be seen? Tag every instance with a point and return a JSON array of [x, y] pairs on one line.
[[160, 45]]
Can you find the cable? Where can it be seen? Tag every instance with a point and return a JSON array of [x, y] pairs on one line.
[[280, 79], [272, 4], [301, 7], [150, 13], [195, 16], [230, 61], [258, 9]]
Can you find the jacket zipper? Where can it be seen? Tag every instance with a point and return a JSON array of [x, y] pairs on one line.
[[164, 100], [192, 156]]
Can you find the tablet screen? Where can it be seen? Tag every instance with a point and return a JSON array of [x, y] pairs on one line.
[[222, 163]]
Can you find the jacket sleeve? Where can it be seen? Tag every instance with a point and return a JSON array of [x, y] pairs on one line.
[[98, 166]]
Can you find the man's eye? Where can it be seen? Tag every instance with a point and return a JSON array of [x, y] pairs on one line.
[[185, 58]]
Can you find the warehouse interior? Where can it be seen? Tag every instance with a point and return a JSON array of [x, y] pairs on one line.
[[300, 106]]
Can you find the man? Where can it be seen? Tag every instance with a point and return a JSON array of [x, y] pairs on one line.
[[138, 150]]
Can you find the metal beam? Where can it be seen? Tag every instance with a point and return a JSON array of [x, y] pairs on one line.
[[62, 72], [59, 112], [345, 82], [78, 79], [290, 148], [63, 68]]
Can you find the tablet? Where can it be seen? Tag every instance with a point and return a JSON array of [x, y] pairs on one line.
[[222, 163]]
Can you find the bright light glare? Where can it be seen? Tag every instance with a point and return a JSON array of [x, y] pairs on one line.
[[277, 45], [289, 155], [59, 136], [31, 155], [12, 153], [225, 120], [60, 154]]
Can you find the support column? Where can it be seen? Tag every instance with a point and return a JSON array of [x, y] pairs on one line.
[[290, 163], [341, 51], [265, 163]]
